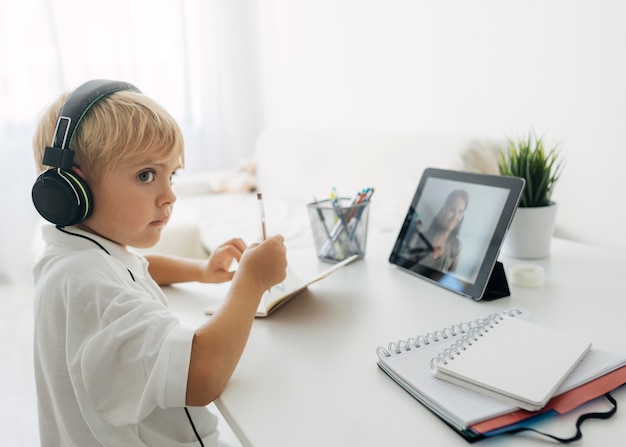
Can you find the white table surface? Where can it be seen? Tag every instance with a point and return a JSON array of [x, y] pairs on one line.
[[309, 377]]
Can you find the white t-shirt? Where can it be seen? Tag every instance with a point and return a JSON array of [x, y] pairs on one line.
[[111, 361]]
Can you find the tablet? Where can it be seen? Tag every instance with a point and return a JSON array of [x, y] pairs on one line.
[[454, 228]]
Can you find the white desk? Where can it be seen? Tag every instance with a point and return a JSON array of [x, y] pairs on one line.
[[308, 376]]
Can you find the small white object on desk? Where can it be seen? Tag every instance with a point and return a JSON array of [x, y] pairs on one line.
[[526, 275]]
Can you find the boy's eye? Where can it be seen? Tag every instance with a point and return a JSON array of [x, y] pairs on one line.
[[146, 176]]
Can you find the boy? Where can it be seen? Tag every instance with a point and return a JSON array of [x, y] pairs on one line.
[[112, 365]]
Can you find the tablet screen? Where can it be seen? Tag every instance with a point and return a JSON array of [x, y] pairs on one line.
[[455, 226]]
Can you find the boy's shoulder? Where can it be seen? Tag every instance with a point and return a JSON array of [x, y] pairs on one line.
[[88, 264], [69, 255]]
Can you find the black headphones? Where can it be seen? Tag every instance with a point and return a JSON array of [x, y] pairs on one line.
[[60, 195]]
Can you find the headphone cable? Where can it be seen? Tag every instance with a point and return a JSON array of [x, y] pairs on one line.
[[193, 426], [62, 230]]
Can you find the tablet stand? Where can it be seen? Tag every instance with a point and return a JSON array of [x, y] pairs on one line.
[[497, 286]]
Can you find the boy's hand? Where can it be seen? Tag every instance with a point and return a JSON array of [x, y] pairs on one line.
[[217, 268], [264, 264]]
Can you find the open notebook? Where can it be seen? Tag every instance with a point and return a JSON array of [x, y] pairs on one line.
[[286, 290]]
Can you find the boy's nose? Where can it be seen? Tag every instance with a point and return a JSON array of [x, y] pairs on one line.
[[168, 197]]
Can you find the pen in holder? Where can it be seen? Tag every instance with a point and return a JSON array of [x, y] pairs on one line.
[[339, 228]]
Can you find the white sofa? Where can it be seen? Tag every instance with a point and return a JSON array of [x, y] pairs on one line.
[[292, 167]]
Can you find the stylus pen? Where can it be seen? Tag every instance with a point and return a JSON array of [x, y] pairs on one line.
[[262, 213]]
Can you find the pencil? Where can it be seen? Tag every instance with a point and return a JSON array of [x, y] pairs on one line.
[[262, 212]]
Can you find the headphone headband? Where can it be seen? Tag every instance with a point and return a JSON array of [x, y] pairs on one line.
[[60, 155]]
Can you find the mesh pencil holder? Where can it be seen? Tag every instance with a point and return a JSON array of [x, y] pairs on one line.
[[339, 228]]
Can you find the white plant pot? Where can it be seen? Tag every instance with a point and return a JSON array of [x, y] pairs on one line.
[[530, 233]]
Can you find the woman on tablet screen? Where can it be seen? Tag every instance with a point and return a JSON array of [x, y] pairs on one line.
[[439, 247]]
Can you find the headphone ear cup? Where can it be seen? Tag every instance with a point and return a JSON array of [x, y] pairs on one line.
[[62, 197]]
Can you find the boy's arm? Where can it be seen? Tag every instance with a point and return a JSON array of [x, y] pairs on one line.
[[216, 269], [166, 269], [218, 344]]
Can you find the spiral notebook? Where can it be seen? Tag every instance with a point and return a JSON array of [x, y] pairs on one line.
[[408, 363], [513, 360]]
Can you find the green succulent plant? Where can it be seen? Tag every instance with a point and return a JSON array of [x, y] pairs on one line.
[[529, 159]]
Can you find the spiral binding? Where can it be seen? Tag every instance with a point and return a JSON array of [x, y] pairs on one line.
[[469, 329], [487, 324]]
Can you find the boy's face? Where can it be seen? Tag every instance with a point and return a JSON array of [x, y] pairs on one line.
[[133, 204]]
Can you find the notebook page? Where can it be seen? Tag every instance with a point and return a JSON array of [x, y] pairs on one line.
[[458, 405], [595, 364], [464, 407]]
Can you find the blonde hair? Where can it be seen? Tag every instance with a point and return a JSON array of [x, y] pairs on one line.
[[118, 127]]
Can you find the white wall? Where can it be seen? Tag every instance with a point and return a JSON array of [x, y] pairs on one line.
[[494, 68]]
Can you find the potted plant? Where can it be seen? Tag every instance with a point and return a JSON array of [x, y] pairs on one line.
[[533, 225]]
